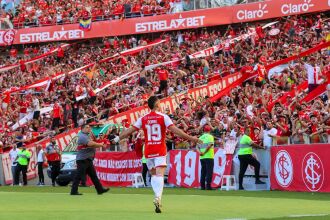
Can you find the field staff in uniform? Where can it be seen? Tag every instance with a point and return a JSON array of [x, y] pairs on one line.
[[23, 158], [245, 157], [207, 158], [53, 155], [85, 156]]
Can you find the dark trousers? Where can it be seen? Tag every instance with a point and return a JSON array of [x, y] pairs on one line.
[[144, 172], [75, 113], [311, 87], [41, 172], [206, 172], [19, 169], [86, 167], [55, 167], [245, 160]]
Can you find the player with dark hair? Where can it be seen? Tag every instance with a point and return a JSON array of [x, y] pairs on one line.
[[154, 126]]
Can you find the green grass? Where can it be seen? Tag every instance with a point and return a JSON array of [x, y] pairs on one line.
[[126, 203]]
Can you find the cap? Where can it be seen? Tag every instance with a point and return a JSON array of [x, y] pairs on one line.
[[207, 128]]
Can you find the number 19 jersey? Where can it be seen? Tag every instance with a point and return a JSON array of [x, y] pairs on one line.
[[154, 126]]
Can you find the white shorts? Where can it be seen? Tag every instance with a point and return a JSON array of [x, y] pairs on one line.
[[156, 162]]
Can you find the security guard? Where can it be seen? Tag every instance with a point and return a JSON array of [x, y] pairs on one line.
[[23, 158], [206, 153], [245, 157], [85, 156]]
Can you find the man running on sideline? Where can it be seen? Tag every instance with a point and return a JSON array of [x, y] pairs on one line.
[[154, 126]]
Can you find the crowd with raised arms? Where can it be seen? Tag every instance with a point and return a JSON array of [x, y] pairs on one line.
[[247, 105]]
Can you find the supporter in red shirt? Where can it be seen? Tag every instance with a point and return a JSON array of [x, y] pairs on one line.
[[57, 113], [23, 104], [163, 77], [13, 52], [60, 54], [136, 9]]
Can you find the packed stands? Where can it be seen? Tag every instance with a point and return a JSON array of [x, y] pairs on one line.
[[291, 120]]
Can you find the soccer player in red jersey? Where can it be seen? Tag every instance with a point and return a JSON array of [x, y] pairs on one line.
[[154, 125]]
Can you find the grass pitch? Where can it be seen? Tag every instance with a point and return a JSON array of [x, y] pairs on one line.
[[48, 203]]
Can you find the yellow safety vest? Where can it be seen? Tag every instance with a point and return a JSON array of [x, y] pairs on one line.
[[23, 157], [245, 145], [207, 139]]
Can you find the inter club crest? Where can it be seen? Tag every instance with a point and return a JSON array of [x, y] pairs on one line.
[[283, 168], [9, 37], [312, 172]]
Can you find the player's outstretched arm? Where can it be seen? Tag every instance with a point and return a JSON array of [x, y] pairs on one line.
[[177, 131], [126, 133]]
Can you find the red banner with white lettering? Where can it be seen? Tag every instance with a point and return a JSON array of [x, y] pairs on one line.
[[169, 22], [185, 168], [116, 168], [301, 168]]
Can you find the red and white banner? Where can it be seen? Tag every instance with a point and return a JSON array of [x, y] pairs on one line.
[[116, 168], [185, 168], [268, 67], [7, 169], [44, 81], [210, 89], [169, 22], [301, 168], [34, 59], [210, 50]]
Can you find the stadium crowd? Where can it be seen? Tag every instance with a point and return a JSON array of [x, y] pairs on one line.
[[29, 13], [49, 12], [246, 106]]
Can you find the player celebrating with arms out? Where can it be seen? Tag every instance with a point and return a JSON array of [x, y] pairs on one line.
[[154, 126]]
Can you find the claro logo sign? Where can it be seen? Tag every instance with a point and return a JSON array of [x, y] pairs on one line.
[[252, 14], [297, 8], [172, 24]]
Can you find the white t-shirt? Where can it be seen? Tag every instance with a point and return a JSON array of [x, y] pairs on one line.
[[268, 141], [13, 155], [249, 111], [40, 157], [312, 74], [36, 104], [233, 133]]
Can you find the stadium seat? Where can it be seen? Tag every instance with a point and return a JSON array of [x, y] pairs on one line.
[[137, 180], [228, 182]]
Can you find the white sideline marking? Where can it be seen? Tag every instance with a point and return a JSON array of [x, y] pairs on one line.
[[235, 219], [306, 215]]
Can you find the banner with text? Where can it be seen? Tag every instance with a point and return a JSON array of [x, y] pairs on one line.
[[116, 168], [185, 168], [301, 168], [210, 89], [169, 22]]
